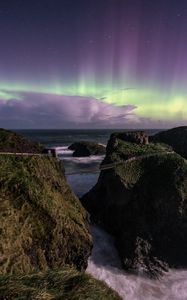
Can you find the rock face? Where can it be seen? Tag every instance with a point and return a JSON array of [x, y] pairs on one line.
[[87, 148], [119, 146], [43, 224], [138, 137], [65, 283], [143, 203], [176, 137], [13, 142]]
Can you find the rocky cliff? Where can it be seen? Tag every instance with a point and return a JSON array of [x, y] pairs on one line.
[[44, 236], [13, 142], [142, 201], [43, 224], [176, 137]]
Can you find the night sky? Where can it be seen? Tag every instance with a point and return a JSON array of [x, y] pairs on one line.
[[93, 63]]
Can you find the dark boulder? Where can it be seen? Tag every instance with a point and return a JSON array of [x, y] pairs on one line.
[[143, 203], [86, 148], [176, 137]]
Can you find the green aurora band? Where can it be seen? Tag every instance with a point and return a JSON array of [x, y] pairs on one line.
[[151, 102]]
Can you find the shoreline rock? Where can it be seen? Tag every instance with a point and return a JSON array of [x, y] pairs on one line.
[[87, 148]]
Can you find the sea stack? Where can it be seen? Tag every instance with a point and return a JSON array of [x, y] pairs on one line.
[[143, 203], [87, 148]]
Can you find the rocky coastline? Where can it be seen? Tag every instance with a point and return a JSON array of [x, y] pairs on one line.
[[141, 200]]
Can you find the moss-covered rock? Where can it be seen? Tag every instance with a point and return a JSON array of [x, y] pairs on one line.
[[86, 148], [143, 203], [13, 142], [118, 149], [43, 224], [176, 137], [137, 137], [66, 284]]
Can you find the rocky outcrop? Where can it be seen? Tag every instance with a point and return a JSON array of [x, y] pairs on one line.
[[66, 283], [43, 224], [119, 146], [137, 137], [13, 142], [143, 203], [176, 137], [87, 148]]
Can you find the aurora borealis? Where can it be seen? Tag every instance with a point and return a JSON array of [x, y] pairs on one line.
[[93, 64]]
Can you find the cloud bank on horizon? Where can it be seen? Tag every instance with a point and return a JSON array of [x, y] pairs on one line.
[[47, 110]]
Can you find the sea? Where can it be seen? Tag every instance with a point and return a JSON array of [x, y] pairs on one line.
[[104, 263]]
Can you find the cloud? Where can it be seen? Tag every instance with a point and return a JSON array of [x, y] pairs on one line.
[[39, 110]]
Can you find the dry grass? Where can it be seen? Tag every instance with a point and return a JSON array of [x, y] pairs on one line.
[[13, 142], [65, 284], [43, 225]]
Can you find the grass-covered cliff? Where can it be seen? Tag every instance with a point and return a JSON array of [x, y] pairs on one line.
[[122, 150], [125, 145], [143, 203], [13, 142], [43, 225], [44, 236], [64, 284]]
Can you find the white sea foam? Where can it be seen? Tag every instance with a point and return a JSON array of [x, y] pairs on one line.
[[66, 154], [64, 151], [85, 160], [104, 145], [79, 165], [104, 264]]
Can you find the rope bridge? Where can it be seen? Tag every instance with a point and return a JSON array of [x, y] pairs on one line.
[[98, 170], [113, 165]]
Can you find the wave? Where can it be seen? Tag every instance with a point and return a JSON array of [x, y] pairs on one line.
[[83, 160], [104, 264], [64, 151], [78, 165], [65, 154], [104, 145]]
